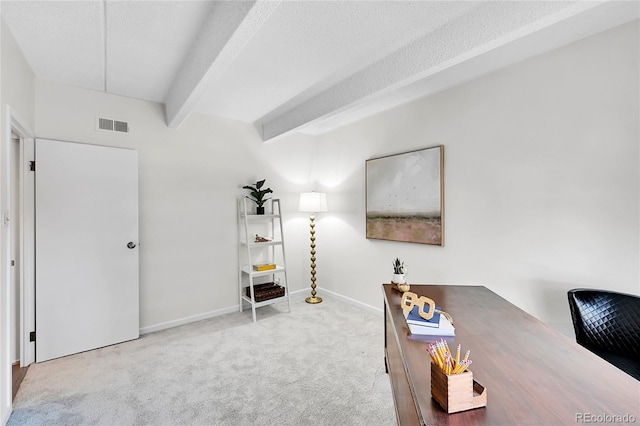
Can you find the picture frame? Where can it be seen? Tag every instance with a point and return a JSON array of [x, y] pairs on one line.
[[405, 197]]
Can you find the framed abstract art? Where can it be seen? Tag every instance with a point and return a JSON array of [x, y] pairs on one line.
[[405, 197]]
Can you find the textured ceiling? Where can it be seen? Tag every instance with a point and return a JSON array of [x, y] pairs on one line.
[[288, 66], [306, 47]]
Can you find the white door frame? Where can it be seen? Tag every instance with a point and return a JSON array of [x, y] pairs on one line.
[[14, 124], [27, 243]]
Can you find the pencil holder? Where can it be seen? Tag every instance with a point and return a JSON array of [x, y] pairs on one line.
[[456, 392]]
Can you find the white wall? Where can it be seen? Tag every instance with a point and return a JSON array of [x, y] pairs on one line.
[[541, 182], [17, 80], [17, 92], [189, 180]]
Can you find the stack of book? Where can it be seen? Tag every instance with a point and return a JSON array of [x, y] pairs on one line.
[[438, 325], [264, 266]]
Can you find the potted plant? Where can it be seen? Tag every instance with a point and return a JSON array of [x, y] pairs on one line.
[[399, 275], [258, 195]]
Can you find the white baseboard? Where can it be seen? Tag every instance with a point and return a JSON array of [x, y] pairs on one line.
[[299, 295], [296, 296], [187, 320], [350, 301]]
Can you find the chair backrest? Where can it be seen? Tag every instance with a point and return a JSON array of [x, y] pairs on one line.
[[606, 320]]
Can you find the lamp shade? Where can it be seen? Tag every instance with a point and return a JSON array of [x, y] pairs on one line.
[[313, 202]]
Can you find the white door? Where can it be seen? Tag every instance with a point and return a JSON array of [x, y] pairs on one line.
[[86, 247]]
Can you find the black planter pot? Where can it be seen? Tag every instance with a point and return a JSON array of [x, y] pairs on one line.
[[260, 210]]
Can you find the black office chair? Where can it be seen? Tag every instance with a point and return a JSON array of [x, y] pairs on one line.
[[608, 324]]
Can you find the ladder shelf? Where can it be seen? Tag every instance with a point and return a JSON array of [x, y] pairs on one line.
[[261, 240]]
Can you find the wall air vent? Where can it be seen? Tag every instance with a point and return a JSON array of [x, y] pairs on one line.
[[110, 125], [121, 126]]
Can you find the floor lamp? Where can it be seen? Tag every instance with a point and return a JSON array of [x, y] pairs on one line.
[[313, 202]]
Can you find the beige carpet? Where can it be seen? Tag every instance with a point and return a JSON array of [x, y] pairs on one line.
[[318, 365]]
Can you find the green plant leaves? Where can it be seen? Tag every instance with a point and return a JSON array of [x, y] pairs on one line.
[[257, 193]]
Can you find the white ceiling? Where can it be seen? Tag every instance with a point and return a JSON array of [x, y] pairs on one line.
[[307, 66]]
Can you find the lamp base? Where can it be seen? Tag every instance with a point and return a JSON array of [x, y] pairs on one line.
[[313, 299]]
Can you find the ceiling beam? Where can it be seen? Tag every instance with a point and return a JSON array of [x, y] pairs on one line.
[[462, 40], [229, 27], [578, 27]]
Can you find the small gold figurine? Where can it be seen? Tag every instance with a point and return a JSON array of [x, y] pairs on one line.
[[260, 239]]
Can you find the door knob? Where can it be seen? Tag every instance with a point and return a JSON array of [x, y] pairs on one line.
[[131, 245]]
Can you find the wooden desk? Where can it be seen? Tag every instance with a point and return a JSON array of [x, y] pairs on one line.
[[533, 374]]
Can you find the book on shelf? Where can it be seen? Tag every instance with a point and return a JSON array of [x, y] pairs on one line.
[[264, 266]]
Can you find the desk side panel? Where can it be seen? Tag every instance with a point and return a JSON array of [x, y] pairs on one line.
[[406, 413]]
